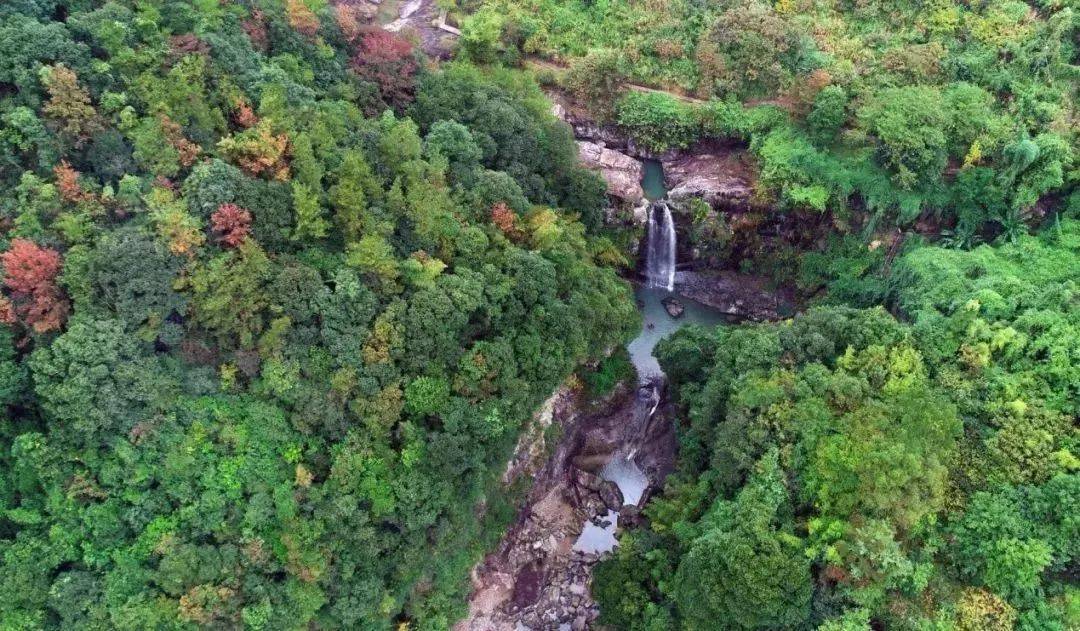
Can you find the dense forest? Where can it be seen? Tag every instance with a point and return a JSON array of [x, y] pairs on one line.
[[279, 293], [847, 467], [963, 112]]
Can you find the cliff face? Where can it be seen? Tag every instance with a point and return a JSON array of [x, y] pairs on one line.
[[621, 172], [720, 173]]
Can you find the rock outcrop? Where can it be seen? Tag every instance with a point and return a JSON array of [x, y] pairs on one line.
[[720, 178], [621, 172], [741, 297], [674, 308]]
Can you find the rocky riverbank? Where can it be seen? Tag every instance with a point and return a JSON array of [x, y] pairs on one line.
[[721, 173], [536, 579], [740, 297]]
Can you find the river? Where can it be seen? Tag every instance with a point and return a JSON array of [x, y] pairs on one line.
[[539, 576]]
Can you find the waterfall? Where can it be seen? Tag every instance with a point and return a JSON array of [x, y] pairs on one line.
[[660, 247]]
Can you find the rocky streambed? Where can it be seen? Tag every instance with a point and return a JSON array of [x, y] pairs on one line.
[[540, 574]]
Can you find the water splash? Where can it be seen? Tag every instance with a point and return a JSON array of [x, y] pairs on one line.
[[660, 247]]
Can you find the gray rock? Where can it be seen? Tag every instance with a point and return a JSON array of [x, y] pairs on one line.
[[674, 308], [718, 178], [621, 172], [611, 495]]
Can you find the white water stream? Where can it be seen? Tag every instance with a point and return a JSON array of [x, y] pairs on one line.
[[660, 247]]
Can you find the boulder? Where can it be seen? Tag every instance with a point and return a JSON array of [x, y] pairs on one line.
[[673, 307], [621, 172], [611, 495]]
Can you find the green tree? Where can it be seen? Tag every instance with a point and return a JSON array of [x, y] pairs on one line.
[[310, 222], [229, 295], [356, 185], [97, 382], [741, 572], [910, 127]]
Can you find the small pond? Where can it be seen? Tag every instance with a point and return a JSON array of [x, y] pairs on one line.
[[652, 180]]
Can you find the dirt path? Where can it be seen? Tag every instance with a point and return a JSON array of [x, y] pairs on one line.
[[537, 63]]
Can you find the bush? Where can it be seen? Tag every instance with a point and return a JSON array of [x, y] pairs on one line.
[[829, 113], [612, 370], [597, 81], [658, 121]]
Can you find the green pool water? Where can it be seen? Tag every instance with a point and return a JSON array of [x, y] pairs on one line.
[[652, 180]]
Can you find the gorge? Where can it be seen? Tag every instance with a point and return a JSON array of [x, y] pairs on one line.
[[612, 455]]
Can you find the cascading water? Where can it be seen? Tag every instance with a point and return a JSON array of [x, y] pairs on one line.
[[659, 267], [660, 247]]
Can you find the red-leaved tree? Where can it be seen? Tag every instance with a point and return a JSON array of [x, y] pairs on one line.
[[231, 224], [506, 221], [67, 183], [30, 273], [387, 61]]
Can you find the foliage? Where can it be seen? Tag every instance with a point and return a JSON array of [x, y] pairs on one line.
[[611, 371], [925, 469], [870, 106], [263, 354], [388, 61], [231, 223], [30, 273], [597, 81], [659, 122]]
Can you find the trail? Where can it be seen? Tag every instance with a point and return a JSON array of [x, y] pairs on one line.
[[537, 63]]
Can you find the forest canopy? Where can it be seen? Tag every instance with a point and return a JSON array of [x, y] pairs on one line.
[[846, 466], [961, 112], [277, 295]]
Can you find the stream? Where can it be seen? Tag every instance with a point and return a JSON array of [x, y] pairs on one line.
[[599, 535], [539, 576]]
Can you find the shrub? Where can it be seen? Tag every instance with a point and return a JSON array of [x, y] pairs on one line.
[[658, 121]]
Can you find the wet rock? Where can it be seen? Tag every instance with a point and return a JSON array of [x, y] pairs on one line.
[[528, 585], [621, 172], [640, 213], [740, 296], [673, 307], [611, 495], [590, 462], [630, 517], [588, 481]]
